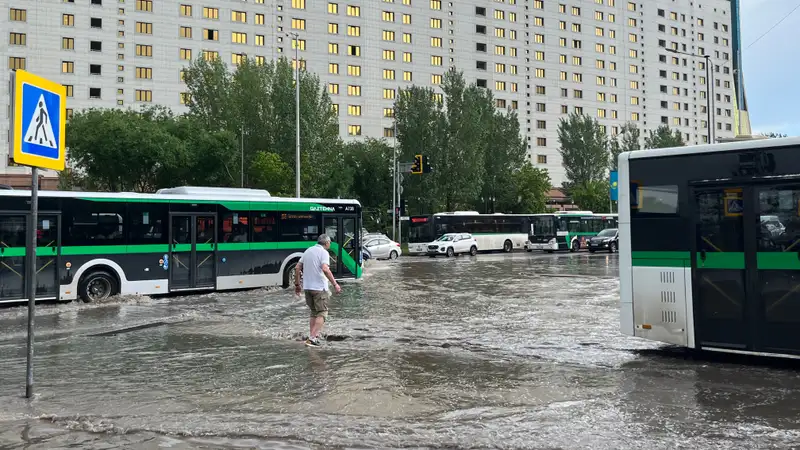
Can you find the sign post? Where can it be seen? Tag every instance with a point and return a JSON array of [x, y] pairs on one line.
[[38, 125]]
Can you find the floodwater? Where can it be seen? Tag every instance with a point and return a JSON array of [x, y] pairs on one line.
[[495, 351]]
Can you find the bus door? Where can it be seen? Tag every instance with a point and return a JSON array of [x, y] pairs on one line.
[[192, 260], [345, 234], [746, 267], [13, 242], [719, 279]]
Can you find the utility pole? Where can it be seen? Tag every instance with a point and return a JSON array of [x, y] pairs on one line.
[[242, 155], [296, 43], [710, 94], [395, 179]]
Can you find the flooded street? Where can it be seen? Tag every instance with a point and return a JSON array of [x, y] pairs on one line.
[[495, 351]]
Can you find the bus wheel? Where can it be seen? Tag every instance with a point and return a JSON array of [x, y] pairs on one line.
[[98, 285], [289, 274], [574, 247], [507, 246]]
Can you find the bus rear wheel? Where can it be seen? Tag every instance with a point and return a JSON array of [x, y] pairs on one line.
[[507, 246], [574, 246], [97, 285], [289, 274]]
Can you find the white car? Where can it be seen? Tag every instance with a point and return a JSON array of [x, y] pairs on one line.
[[451, 244], [383, 248]]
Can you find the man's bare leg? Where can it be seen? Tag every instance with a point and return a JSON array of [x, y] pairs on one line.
[[316, 324]]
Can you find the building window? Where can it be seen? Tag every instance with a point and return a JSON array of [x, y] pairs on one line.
[[541, 142], [186, 32], [238, 38], [354, 130], [186, 10], [211, 13], [540, 159], [18, 15], [145, 73], [144, 5], [67, 43], [186, 54], [144, 28], [17, 39], [15, 62], [144, 96], [68, 20]]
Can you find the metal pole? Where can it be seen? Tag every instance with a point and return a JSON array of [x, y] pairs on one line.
[[31, 276], [394, 186], [242, 156], [297, 115], [710, 93]]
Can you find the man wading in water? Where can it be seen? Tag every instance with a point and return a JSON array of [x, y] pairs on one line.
[[315, 262]]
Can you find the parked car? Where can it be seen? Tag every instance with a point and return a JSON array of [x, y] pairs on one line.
[[452, 244], [382, 248], [607, 239]]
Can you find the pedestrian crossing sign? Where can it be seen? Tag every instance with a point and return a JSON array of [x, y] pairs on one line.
[[38, 121]]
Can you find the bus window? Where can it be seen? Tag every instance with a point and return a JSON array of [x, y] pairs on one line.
[[265, 228], [89, 223], [299, 227], [234, 226], [146, 223]]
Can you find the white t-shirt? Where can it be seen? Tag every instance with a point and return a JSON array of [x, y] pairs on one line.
[[313, 277]]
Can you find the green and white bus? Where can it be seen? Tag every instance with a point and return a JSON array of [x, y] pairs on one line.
[[493, 232], [91, 245], [710, 246], [567, 230]]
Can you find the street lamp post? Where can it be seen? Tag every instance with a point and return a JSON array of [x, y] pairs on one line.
[[296, 37], [709, 90]]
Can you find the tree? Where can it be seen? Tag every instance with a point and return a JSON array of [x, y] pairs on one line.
[[528, 190], [369, 161], [628, 140], [142, 151], [272, 173], [420, 129], [466, 123], [257, 102], [503, 153], [663, 137], [583, 150], [591, 196]]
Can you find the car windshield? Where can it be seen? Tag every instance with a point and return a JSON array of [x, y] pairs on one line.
[[445, 238], [607, 232]]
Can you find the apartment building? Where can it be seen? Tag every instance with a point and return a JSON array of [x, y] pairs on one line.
[[616, 60]]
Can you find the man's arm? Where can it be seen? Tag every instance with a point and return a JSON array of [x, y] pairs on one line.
[[298, 275], [328, 274]]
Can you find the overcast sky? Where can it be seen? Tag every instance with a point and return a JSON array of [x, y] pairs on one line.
[[771, 72]]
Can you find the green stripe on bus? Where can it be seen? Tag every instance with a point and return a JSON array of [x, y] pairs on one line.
[[778, 261], [722, 260], [100, 250]]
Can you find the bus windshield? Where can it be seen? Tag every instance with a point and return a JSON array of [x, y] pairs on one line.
[[543, 226], [420, 230]]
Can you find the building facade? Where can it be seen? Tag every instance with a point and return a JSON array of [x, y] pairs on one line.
[[616, 60]]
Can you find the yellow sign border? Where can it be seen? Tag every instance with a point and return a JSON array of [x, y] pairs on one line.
[[21, 78]]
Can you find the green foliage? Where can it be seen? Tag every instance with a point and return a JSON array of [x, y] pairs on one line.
[[474, 150], [591, 196], [627, 140], [272, 173], [126, 150], [258, 101], [583, 149], [663, 137], [527, 191], [370, 160]]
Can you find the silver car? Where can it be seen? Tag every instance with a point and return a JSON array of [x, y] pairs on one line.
[[383, 248]]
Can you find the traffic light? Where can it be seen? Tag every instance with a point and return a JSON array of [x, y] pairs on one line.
[[417, 166], [426, 165]]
